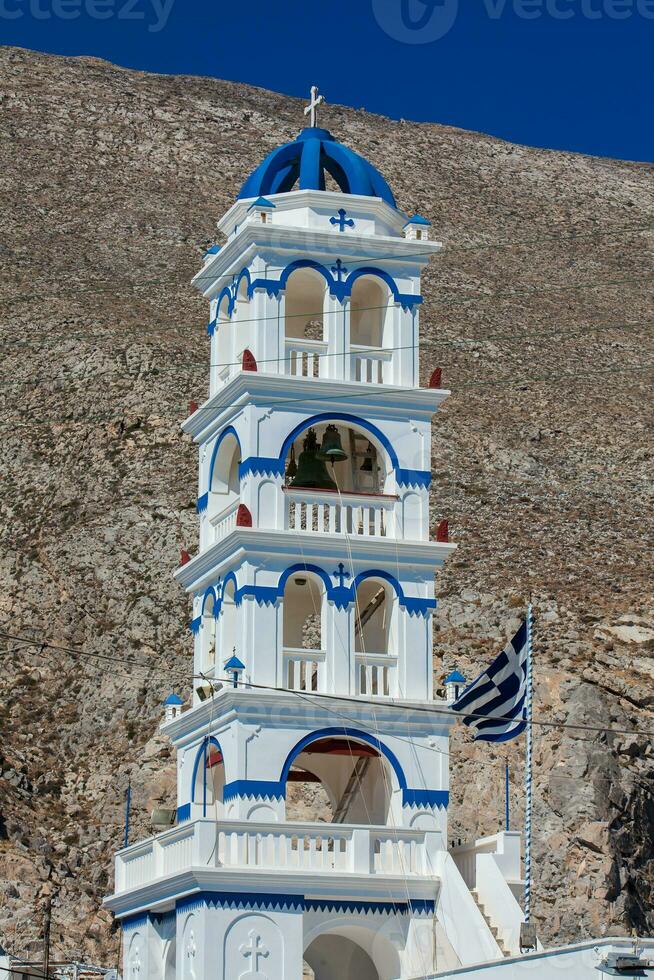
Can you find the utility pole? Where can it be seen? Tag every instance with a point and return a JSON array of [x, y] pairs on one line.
[[47, 916]]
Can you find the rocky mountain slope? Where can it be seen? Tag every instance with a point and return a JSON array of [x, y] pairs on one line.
[[539, 312]]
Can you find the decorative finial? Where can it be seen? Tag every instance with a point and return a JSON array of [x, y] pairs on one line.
[[316, 100]]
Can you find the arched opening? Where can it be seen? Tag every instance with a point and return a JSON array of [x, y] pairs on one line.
[[225, 487], [349, 781], [170, 961], [208, 633], [222, 354], [209, 780], [368, 305], [352, 952], [304, 656], [224, 478], [332, 957], [370, 330], [305, 333], [375, 638], [227, 622], [358, 465]]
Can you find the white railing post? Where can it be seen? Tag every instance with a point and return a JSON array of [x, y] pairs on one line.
[[360, 855], [204, 839]]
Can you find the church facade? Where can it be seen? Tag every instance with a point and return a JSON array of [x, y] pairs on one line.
[[310, 831]]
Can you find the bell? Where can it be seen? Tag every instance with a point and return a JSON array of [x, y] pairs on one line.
[[331, 450], [291, 469], [366, 466], [311, 470]]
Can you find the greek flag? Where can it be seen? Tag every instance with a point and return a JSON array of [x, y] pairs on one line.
[[499, 692]]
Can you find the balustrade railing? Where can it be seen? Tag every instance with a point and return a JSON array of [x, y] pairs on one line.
[[225, 521], [327, 512], [305, 358], [284, 847], [305, 670], [368, 363], [376, 673]]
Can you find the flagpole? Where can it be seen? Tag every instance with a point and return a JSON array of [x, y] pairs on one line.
[[507, 805], [128, 800], [528, 767]]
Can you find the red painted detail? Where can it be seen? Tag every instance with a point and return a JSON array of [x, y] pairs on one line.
[[443, 531], [249, 362], [301, 776], [341, 746], [192, 406], [215, 759], [243, 516], [436, 380], [184, 557]]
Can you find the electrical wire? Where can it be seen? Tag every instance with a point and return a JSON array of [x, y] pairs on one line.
[[591, 235], [363, 350], [419, 708]]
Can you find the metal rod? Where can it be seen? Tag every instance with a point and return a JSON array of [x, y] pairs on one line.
[[528, 768], [507, 814], [128, 800]]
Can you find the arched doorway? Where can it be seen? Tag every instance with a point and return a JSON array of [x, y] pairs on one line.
[[335, 957], [342, 950]]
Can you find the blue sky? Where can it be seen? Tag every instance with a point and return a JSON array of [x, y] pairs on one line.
[[565, 74]]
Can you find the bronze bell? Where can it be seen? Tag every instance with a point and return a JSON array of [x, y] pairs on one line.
[[366, 466], [331, 449], [311, 470], [291, 469]]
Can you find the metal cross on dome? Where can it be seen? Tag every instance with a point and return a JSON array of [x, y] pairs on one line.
[[316, 100]]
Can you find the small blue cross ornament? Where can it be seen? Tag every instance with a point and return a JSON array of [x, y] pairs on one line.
[[342, 221]]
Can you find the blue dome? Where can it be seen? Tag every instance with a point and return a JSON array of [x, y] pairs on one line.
[[306, 160], [455, 678]]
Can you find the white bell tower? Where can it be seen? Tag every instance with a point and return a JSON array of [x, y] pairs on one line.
[[313, 594]]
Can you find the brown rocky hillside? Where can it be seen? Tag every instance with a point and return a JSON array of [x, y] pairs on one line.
[[539, 312]]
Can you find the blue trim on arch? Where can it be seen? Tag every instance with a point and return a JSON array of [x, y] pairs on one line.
[[229, 430], [302, 566], [230, 577], [259, 789], [195, 625], [339, 417], [405, 477], [343, 732], [406, 299], [413, 478], [183, 813], [280, 901], [202, 503], [426, 797], [243, 274], [338, 288], [225, 291], [342, 595], [214, 595], [414, 605], [261, 466], [206, 742]]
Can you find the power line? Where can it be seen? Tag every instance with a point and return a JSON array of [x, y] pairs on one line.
[[521, 382], [637, 229], [228, 682], [620, 327]]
